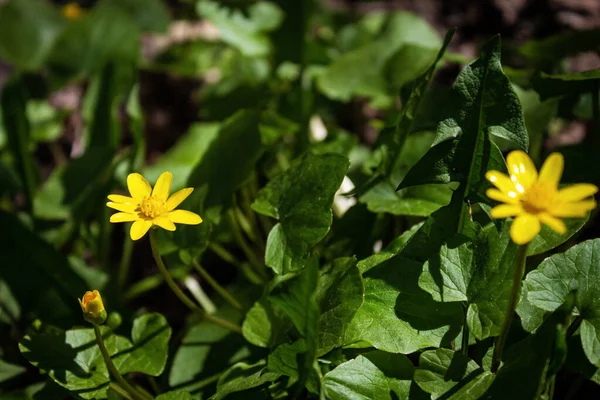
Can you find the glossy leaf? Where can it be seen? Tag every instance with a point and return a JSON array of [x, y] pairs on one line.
[[300, 198], [374, 375], [559, 85], [451, 375], [242, 376], [397, 315], [577, 269], [478, 271], [230, 158], [485, 104]]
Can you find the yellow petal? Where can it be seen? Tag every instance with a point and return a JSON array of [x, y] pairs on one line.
[[576, 192], [552, 169], [138, 186], [164, 223], [177, 198], [502, 182], [123, 217], [139, 229], [497, 195], [578, 209], [524, 228], [184, 217], [521, 169], [554, 223], [163, 186], [506, 210], [117, 198], [125, 207]]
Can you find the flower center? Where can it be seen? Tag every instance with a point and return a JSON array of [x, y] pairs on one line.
[[151, 207], [538, 198]]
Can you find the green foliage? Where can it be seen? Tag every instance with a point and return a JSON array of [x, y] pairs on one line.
[[347, 249]]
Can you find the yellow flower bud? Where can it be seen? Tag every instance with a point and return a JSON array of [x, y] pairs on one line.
[[93, 308]]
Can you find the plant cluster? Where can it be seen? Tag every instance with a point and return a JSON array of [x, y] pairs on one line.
[[275, 250]]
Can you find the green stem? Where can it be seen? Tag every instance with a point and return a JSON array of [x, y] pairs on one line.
[[113, 370], [125, 262], [182, 296], [254, 260], [512, 305], [215, 285], [596, 108], [122, 392], [464, 347]]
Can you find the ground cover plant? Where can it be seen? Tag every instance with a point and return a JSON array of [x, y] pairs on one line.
[[284, 199]]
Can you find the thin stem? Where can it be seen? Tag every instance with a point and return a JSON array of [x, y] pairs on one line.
[[512, 305], [199, 294], [596, 108], [215, 285], [182, 296], [464, 347], [122, 392], [113, 370], [125, 263], [254, 260]]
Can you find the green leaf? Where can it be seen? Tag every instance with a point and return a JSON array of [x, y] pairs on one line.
[[46, 122], [184, 155], [547, 52], [72, 359], [530, 364], [247, 34], [559, 85], [263, 325], [47, 272], [230, 158], [548, 239], [577, 270], [298, 300], [175, 395], [13, 101], [443, 372], [418, 201], [28, 32], [9, 371], [374, 375], [485, 104], [107, 33], [391, 142], [361, 72], [397, 315], [148, 352], [205, 350], [242, 376], [477, 270], [101, 106], [300, 198], [340, 293], [149, 15], [75, 187]]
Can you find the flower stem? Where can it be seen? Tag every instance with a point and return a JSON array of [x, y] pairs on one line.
[[215, 285], [113, 370], [512, 305], [125, 263], [182, 296]]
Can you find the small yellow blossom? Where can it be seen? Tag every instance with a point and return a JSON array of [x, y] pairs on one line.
[[72, 11], [93, 307], [147, 207], [534, 198]]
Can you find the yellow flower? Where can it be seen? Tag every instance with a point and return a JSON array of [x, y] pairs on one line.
[[72, 11], [147, 207], [93, 307], [535, 199]]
